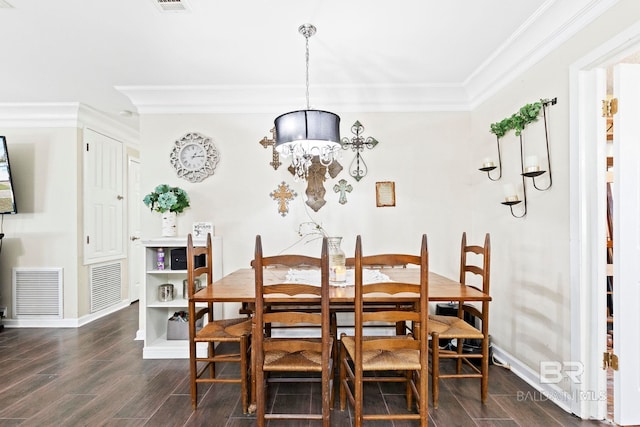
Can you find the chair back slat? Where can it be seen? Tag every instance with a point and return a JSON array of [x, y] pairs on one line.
[[390, 316], [292, 289], [290, 260], [466, 265], [194, 272], [292, 317], [391, 344]]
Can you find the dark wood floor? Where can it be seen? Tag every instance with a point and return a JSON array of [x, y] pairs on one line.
[[95, 375]]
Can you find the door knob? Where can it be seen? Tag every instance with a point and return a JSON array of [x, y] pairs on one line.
[[134, 238]]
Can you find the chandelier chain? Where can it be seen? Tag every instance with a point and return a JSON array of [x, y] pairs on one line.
[[306, 36]]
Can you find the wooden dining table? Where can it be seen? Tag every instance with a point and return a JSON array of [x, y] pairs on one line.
[[239, 286]]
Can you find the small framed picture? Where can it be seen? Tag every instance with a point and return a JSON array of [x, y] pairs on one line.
[[385, 193], [200, 230]]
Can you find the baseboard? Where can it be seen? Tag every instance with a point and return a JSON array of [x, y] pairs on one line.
[[549, 392], [64, 323]]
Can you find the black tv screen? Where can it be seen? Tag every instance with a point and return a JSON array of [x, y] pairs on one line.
[[7, 196]]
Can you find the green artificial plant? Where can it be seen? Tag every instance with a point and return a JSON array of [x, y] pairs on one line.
[[166, 198], [518, 121]]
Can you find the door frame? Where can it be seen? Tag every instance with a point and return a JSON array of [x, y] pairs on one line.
[[587, 215], [134, 245]]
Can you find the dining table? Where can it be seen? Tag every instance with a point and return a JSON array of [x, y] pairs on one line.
[[239, 286]]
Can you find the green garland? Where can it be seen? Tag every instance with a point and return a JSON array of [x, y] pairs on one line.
[[518, 121]]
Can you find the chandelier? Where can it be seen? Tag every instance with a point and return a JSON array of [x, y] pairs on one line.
[[304, 134]]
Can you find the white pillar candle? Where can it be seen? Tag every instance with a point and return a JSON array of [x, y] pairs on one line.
[[488, 162], [510, 194], [531, 164]]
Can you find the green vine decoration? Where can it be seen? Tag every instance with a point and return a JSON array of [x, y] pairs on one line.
[[518, 121]]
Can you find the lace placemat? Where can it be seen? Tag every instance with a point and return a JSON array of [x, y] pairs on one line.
[[313, 277]]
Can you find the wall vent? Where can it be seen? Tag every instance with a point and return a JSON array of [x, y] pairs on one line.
[[105, 282], [172, 5], [37, 293]]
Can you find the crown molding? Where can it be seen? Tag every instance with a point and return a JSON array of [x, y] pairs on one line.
[[276, 99], [556, 21], [550, 26], [63, 115], [55, 115]]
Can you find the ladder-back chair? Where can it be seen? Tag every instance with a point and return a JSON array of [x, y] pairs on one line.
[[214, 331], [456, 328], [391, 358], [277, 359]]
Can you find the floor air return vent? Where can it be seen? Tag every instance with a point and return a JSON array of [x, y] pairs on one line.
[[105, 282], [37, 293]]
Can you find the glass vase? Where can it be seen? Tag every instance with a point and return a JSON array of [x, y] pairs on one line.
[[337, 268]]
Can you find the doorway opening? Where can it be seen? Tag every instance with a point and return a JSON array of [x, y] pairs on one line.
[[594, 322]]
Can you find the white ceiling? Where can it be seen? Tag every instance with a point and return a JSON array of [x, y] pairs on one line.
[[247, 55]]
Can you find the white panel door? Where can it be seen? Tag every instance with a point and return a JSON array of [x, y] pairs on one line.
[[626, 239], [103, 198]]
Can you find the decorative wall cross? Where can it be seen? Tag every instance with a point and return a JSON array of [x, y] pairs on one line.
[[342, 187], [283, 195], [358, 168], [266, 142], [318, 173]]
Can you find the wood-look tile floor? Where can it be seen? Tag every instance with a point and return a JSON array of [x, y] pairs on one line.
[[95, 376]]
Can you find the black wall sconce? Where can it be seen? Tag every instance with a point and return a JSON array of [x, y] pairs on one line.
[[511, 195], [529, 165], [488, 164]]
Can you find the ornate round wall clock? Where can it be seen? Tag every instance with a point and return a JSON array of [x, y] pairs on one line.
[[194, 157]]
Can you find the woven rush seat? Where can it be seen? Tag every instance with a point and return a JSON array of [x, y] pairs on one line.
[[224, 330], [449, 327], [385, 359], [293, 359]]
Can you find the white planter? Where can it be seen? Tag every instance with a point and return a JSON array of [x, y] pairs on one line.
[[169, 224]]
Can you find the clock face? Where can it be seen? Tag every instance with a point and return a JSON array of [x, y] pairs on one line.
[[194, 157]]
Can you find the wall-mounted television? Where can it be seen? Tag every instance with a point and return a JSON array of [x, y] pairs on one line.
[[7, 195]]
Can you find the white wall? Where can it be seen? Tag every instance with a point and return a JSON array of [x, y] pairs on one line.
[[531, 288], [424, 153], [45, 165]]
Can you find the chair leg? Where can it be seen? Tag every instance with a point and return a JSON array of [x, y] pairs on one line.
[[260, 398], [243, 373], [358, 395], [336, 342], [343, 377], [435, 367], [423, 386], [460, 347], [193, 375], [252, 364], [212, 365], [484, 385], [408, 375], [326, 397]]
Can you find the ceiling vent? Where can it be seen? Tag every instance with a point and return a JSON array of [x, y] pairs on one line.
[[170, 5], [5, 5]]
